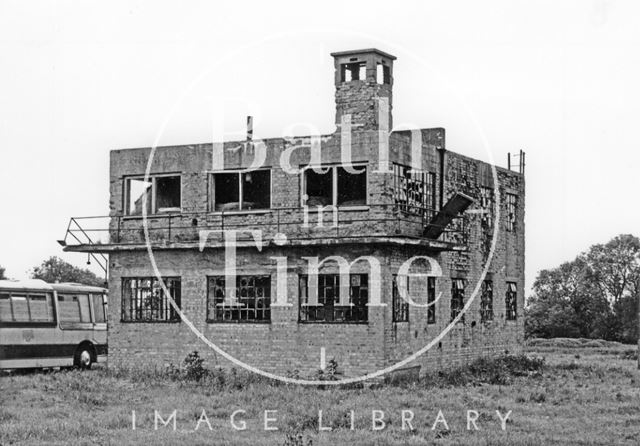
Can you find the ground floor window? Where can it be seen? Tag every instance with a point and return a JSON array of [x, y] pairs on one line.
[[457, 298], [486, 301], [400, 306], [144, 299], [510, 302], [431, 300], [321, 302], [252, 301]]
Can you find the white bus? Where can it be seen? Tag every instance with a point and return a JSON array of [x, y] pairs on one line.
[[51, 325]]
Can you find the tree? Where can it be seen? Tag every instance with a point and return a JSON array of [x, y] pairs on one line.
[[595, 295], [566, 303], [54, 269], [615, 268], [2, 276]]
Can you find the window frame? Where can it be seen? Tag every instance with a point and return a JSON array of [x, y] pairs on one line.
[[431, 300], [152, 178], [240, 173], [458, 288], [239, 277], [511, 296], [35, 324], [511, 201], [428, 182], [334, 185], [364, 319], [486, 297], [174, 316], [399, 306]]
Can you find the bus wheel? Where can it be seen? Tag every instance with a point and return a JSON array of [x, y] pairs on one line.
[[82, 358]]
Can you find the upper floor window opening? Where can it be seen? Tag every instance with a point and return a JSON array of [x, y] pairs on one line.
[[336, 186], [511, 301], [237, 191], [383, 74], [512, 207], [156, 194], [353, 71], [414, 191]]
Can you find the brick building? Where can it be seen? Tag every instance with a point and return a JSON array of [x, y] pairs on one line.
[[444, 208]]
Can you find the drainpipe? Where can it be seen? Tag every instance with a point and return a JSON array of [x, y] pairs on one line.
[[441, 152]]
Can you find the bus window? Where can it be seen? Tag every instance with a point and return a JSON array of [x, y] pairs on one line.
[[99, 316], [20, 307], [5, 308], [41, 307], [74, 308]]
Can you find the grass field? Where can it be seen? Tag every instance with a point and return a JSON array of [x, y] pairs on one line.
[[585, 393]]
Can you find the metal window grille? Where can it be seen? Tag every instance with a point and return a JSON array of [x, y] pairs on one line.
[[510, 302], [431, 300], [252, 303], [512, 205], [328, 308], [487, 204], [414, 191], [486, 301], [457, 298], [400, 306], [144, 300]]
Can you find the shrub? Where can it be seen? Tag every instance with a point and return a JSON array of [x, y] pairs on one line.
[[499, 370], [193, 367]]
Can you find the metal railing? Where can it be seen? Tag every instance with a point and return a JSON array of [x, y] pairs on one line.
[[296, 223]]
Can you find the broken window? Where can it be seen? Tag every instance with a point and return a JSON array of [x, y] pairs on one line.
[[253, 300], [486, 301], [383, 74], [352, 187], [227, 191], [138, 196], [487, 207], [457, 298], [399, 305], [161, 193], [414, 191], [431, 300], [144, 299], [353, 71], [336, 186], [235, 191], [327, 295], [168, 194], [512, 206], [510, 302]]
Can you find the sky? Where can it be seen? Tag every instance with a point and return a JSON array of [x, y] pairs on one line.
[[557, 79]]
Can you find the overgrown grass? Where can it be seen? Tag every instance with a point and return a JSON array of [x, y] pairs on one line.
[[582, 397]]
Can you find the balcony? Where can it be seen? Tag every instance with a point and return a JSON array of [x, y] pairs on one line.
[[373, 223]]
